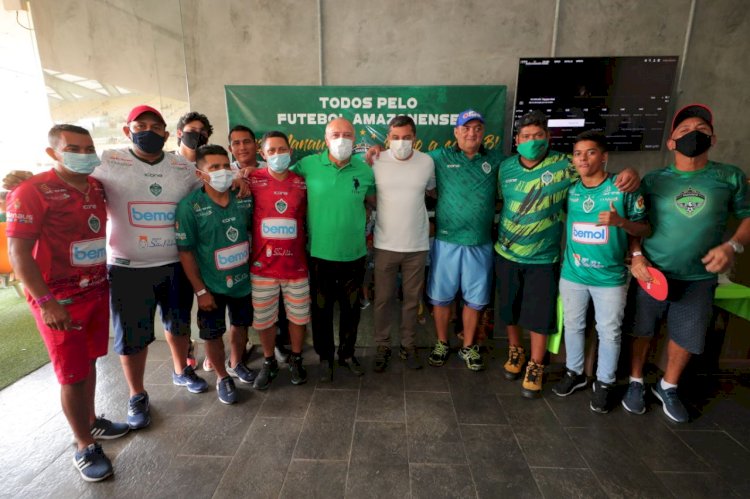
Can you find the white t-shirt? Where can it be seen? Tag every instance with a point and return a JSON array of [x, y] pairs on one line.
[[402, 224], [141, 203], [236, 165]]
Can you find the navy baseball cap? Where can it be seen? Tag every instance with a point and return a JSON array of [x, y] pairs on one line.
[[467, 116], [693, 111]]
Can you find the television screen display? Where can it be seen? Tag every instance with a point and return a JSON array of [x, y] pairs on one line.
[[627, 98]]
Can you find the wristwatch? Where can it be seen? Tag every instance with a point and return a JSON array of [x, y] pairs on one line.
[[201, 292], [736, 246]]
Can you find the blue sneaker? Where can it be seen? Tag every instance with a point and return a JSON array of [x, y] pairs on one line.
[[92, 464], [671, 403], [241, 372], [104, 429], [634, 400], [227, 392], [188, 378], [138, 411]]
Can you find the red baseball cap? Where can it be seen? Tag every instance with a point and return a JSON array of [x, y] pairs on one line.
[[139, 110], [693, 111]]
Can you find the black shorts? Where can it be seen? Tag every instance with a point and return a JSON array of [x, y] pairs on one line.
[[134, 294], [213, 324], [527, 294], [688, 309]]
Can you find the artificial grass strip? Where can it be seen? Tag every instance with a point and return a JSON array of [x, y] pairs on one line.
[[21, 347]]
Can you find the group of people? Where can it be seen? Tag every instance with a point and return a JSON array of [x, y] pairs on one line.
[[240, 236]]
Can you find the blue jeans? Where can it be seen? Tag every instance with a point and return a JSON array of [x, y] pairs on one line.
[[609, 307]]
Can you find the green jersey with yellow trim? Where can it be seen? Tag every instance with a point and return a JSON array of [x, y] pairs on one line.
[[688, 212], [531, 219]]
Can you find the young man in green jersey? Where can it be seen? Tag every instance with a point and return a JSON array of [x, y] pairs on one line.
[[688, 204], [600, 220], [211, 229]]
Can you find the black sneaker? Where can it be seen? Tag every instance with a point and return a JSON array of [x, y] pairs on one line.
[[600, 394], [569, 383], [411, 357], [439, 354], [267, 373], [472, 357], [296, 370], [382, 357], [353, 365], [325, 372]]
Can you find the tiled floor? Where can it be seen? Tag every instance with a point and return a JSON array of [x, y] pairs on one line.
[[438, 432]]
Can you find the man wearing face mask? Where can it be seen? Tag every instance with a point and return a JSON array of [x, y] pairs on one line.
[[278, 256], [211, 228], [337, 186], [402, 176], [193, 131], [56, 234], [689, 203], [533, 185]]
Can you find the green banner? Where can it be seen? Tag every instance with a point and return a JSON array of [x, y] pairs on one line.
[[302, 112]]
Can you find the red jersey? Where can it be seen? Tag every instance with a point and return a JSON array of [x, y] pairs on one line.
[[69, 228], [279, 211]]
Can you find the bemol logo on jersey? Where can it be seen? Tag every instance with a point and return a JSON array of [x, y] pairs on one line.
[[88, 252], [586, 233], [278, 228], [151, 215], [232, 256]]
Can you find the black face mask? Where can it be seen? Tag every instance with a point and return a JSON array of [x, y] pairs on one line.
[[193, 140], [148, 141], [693, 144]]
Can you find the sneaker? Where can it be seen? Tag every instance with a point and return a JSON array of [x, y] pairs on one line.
[[569, 383], [325, 371], [226, 390], [139, 415], [472, 357], [282, 354], [190, 380], [600, 394], [382, 357], [191, 355], [241, 372], [532, 382], [296, 370], [104, 429], [670, 403], [353, 365], [516, 359], [207, 365], [92, 463], [634, 400], [411, 357], [439, 354], [364, 303], [267, 373]]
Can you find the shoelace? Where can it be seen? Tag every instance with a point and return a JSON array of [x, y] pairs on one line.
[[473, 353], [440, 348], [515, 355], [534, 371]]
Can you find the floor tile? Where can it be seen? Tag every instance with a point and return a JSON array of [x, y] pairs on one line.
[[381, 443], [446, 481], [724, 455], [427, 379], [317, 479], [564, 483], [204, 475], [548, 446], [381, 398], [696, 485], [377, 480], [432, 429], [327, 430], [522, 412]]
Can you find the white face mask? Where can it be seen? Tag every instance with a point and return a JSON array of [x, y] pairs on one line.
[[341, 148], [401, 149], [221, 180]]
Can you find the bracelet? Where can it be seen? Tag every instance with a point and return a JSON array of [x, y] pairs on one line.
[[636, 253], [201, 292], [44, 299]]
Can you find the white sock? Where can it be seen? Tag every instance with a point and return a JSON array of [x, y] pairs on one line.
[[666, 386], [637, 380]]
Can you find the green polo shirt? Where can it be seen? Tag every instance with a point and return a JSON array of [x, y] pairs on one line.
[[336, 206]]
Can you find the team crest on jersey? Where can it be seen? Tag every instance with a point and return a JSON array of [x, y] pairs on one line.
[[486, 167], [281, 206], [546, 177], [94, 223], [690, 202], [232, 234], [155, 189], [640, 203], [588, 204]]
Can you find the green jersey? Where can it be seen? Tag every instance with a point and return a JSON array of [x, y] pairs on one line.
[[336, 206], [595, 254], [466, 195], [531, 219], [688, 212], [219, 239]]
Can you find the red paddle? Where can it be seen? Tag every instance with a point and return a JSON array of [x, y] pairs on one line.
[[657, 288]]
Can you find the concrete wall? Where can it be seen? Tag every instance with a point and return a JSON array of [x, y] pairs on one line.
[[426, 42]]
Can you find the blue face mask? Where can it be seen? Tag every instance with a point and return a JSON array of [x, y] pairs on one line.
[[148, 141], [80, 163], [279, 163]]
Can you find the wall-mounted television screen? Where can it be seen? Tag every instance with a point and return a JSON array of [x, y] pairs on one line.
[[627, 98]]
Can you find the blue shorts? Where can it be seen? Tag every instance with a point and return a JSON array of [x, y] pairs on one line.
[[133, 297], [213, 324], [454, 267]]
